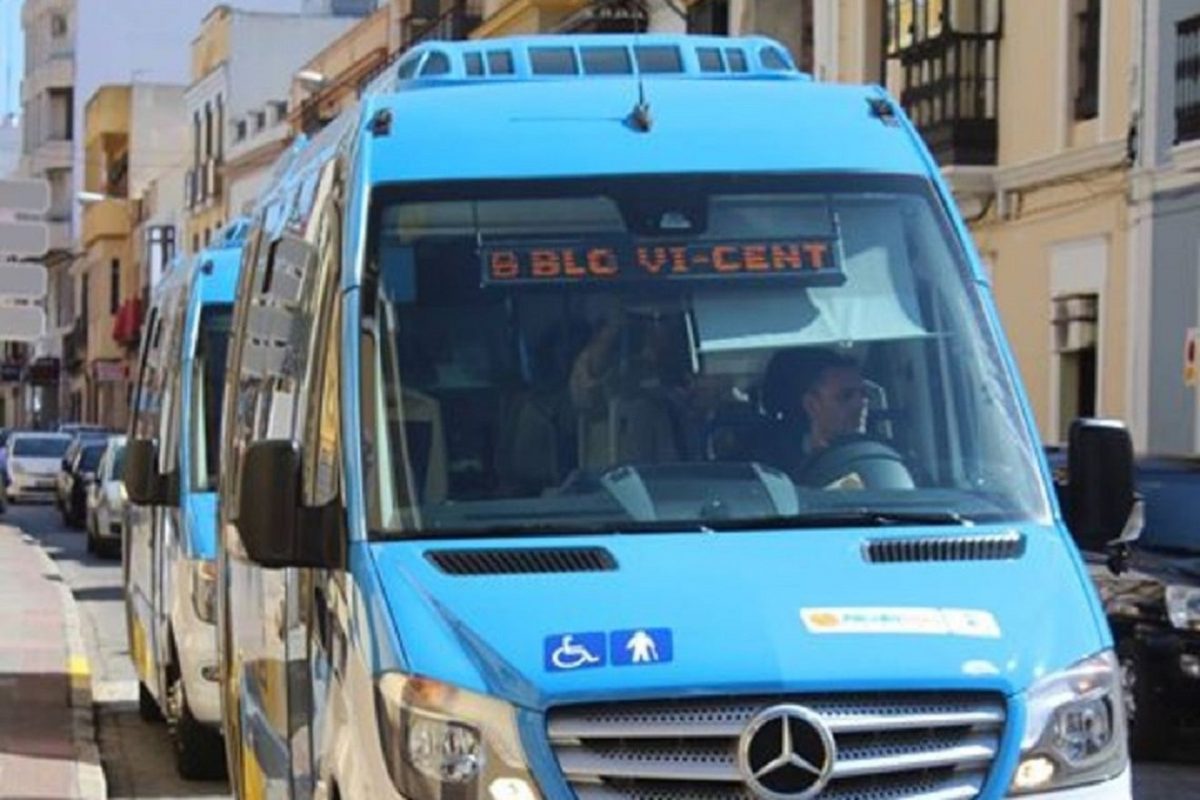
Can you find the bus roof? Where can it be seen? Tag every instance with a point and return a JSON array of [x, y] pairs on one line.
[[537, 118]]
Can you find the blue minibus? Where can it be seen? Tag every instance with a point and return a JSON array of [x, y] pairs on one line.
[[629, 417], [169, 567]]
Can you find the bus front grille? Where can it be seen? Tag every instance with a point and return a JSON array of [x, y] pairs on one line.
[[917, 746]]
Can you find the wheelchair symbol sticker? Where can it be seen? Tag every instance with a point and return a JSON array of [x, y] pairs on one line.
[[571, 651]]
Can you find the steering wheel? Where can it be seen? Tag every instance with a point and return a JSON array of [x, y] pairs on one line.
[[857, 462]]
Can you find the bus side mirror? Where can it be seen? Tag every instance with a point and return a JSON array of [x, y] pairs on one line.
[[277, 530], [144, 484], [141, 472], [1100, 508]]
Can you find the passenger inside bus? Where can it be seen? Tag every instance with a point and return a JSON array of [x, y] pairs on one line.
[[569, 401]]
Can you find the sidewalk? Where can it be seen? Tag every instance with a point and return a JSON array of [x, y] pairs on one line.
[[47, 733]]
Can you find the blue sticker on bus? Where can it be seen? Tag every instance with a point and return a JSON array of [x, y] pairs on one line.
[[571, 651], [641, 647]]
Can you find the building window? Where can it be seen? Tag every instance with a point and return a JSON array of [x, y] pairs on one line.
[[207, 236], [1087, 59], [196, 140], [1187, 80], [709, 17], [220, 153], [1075, 319], [239, 131], [58, 26], [83, 299], [208, 131], [948, 58], [62, 112], [195, 243], [160, 249], [114, 286]]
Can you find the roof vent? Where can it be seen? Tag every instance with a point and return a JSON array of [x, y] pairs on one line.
[[523, 561], [998, 547]]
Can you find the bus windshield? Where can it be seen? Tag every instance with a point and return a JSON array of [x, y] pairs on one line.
[[680, 353], [208, 373]]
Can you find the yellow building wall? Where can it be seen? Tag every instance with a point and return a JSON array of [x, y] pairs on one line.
[[350, 53], [101, 344], [1021, 251], [211, 47], [106, 131]]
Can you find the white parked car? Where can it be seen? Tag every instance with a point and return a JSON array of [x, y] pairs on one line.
[[34, 459], [106, 501]]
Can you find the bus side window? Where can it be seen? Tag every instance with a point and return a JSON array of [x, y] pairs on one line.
[[322, 451], [241, 372]]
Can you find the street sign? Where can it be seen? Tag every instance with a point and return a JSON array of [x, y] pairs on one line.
[[22, 323], [23, 280], [24, 239], [23, 234], [29, 197]]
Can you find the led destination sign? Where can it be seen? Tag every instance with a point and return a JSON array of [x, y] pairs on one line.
[[813, 259]]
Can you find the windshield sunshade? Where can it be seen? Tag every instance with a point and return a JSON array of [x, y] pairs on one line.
[[682, 353]]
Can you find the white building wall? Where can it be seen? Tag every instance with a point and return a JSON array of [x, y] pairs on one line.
[[10, 145], [158, 140], [119, 41], [265, 52]]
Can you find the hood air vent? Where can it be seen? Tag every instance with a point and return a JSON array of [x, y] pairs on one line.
[[523, 561], [997, 547]]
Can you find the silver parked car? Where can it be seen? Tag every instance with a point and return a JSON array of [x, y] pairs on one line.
[[106, 501], [34, 459]]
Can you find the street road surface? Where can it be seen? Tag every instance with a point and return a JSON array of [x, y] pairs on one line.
[[137, 756]]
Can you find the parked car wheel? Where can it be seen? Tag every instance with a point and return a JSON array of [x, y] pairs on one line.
[[1150, 724], [199, 750]]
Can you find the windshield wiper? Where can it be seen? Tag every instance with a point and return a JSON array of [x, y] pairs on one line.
[[847, 518]]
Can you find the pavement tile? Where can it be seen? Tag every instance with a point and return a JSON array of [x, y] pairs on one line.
[[38, 749]]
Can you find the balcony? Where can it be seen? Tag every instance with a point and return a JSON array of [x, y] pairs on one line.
[[106, 219], [950, 93], [127, 325], [453, 24], [51, 154]]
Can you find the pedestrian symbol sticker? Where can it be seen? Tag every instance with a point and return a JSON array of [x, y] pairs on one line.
[[641, 647], [571, 651]]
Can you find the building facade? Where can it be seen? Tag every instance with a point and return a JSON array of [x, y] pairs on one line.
[[48, 118], [1028, 107], [242, 67], [335, 76], [1166, 227], [130, 131]]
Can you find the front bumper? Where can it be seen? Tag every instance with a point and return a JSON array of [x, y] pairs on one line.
[[32, 487], [1119, 788]]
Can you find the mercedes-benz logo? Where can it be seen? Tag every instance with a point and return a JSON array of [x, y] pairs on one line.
[[786, 753]]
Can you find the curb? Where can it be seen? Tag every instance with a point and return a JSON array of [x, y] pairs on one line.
[[89, 774]]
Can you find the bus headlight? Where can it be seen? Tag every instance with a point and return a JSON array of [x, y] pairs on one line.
[[435, 736], [204, 589], [1074, 728]]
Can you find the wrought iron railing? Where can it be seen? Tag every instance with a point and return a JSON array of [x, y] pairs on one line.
[[950, 92]]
